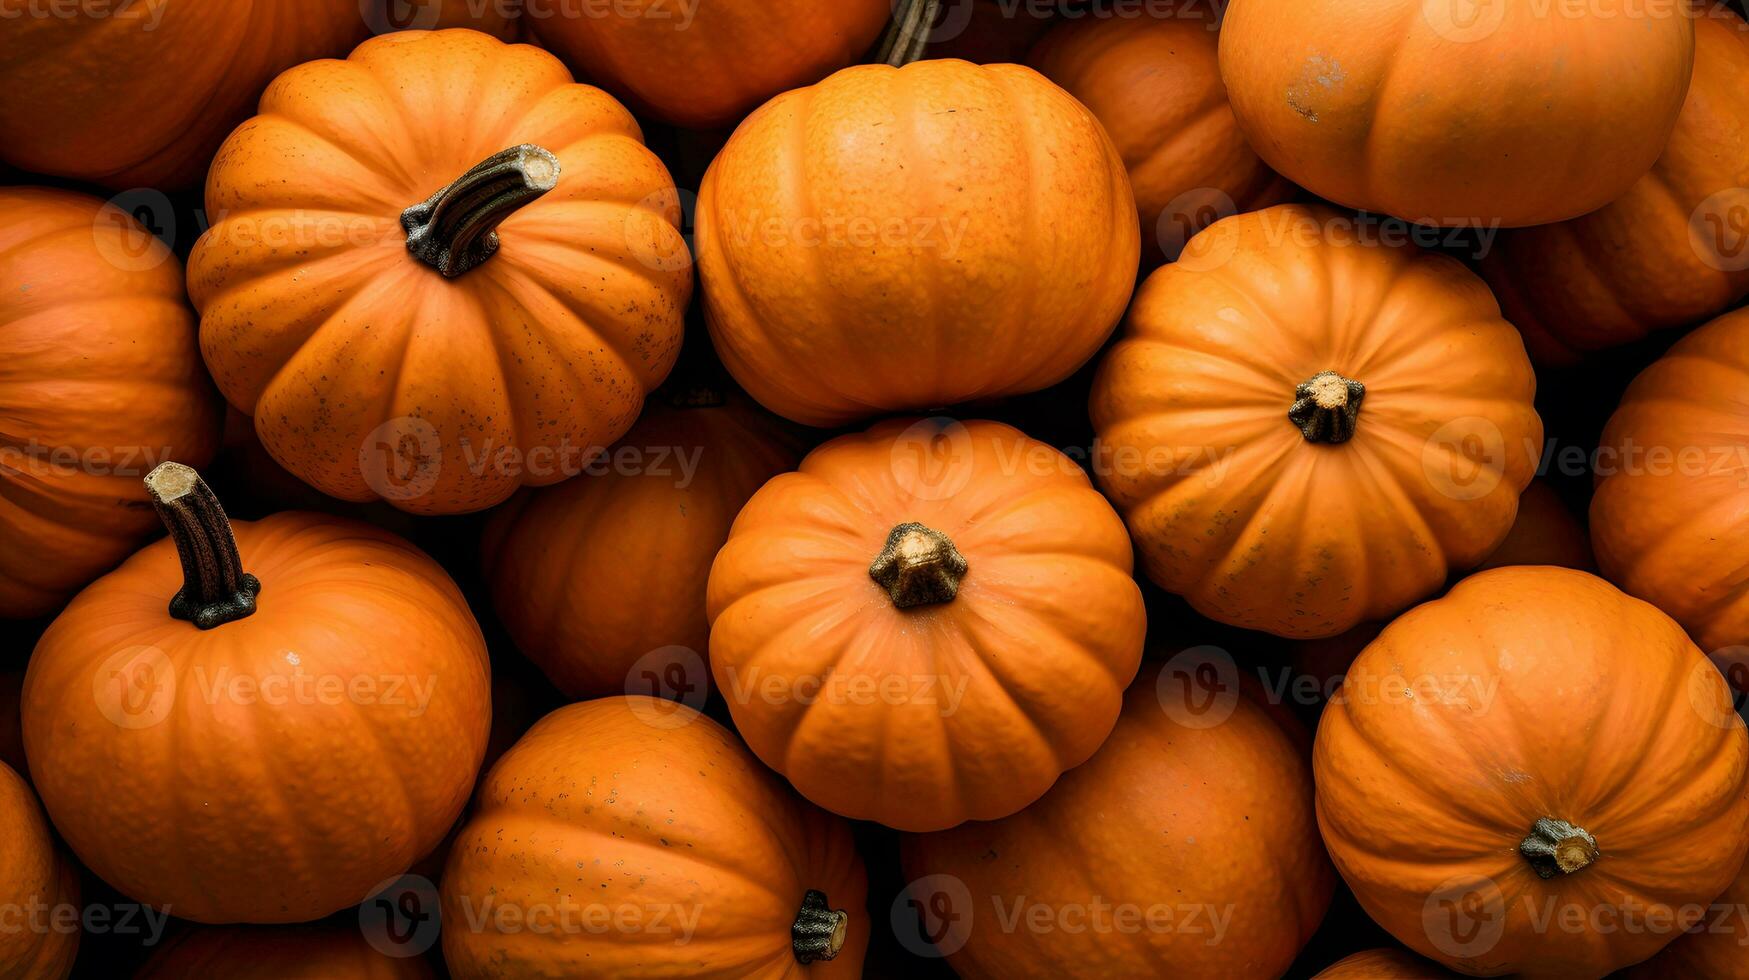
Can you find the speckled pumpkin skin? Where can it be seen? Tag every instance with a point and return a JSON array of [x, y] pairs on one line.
[[367, 372], [321, 952], [232, 803], [33, 875], [644, 808]]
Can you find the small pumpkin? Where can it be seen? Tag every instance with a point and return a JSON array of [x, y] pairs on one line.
[[1673, 477], [254, 762], [1135, 875], [701, 65], [140, 94], [865, 610], [1671, 251], [1384, 964], [37, 888], [1536, 741], [906, 238], [314, 952], [440, 270], [1713, 947], [1381, 105], [595, 576], [99, 378], [1306, 429], [633, 837], [1154, 84]]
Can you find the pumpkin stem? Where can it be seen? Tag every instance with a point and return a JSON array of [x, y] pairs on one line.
[[918, 567], [1327, 407], [456, 229], [215, 589], [1557, 847], [819, 930], [907, 38]]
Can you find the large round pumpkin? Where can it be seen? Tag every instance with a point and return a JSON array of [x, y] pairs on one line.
[[319, 952], [1672, 498], [1181, 849], [632, 837], [1533, 750], [1384, 964], [1307, 428], [915, 237], [244, 761], [100, 377], [601, 580], [140, 94], [440, 270], [1671, 251], [1512, 112], [927, 623], [706, 64], [39, 889], [1154, 84]]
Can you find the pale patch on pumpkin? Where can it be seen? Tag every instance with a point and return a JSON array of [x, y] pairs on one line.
[[1319, 73]]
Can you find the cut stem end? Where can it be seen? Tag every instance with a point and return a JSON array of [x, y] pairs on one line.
[[1326, 407], [215, 589], [1557, 847], [918, 567], [819, 930], [456, 229]]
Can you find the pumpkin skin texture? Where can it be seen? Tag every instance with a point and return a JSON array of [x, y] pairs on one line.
[[1713, 950], [805, 640], [729, 57], [1529, 695], [594, 575], [639, 805], [33, 875], [1384, 964], [1122, 830], [1359, 102], [1274, 524], [97, 356], [369, 372], [1670, 505], [1665, 254], [319, 952], [1154, 84], [976, 220], [142, 94], [261, 800]]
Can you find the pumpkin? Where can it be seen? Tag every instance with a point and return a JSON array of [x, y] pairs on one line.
[[1384, 964], [1545, 532], [440, 271], [1670, 252], [1307, 428], [1384, 105], [255, 762], [599, 578], [634, 837], [37, 887], [1154, 83], [140, 94], [1713, 946], [1130, 874], [1532, 745], [99, 378], [1672, 471], [906, 238], [989, 32], [865, 611], [701, 65], [317, 952]]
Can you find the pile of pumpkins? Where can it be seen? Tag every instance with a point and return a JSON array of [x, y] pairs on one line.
[[816, 607]]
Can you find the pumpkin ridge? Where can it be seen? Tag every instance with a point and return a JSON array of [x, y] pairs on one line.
[[1062, 755], [1106, 666]]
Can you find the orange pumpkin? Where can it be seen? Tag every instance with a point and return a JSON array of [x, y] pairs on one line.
[[1669, 509], [319, 952], [1713, 947], [1384, 964], [1671, 251], [866, 609], [1516, 768], [37, 889], [600, 578], [133, 94], [1545, 532], [1181, 849], [1506, 113], [633, 837], [908, 238], [244, 762], [99, 378], [1306, 428], [706, 64], [483, 338], [1154, 83]]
